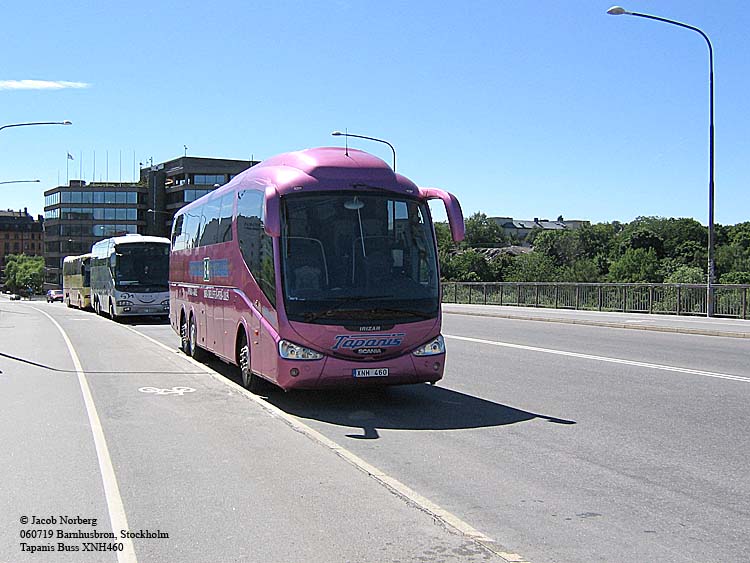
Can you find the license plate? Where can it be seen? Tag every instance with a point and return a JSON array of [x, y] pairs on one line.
[[370, 372]]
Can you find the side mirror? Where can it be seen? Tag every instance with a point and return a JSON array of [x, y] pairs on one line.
[[452, 209]]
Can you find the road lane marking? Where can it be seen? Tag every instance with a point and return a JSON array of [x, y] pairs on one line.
[[603, 358], [116, 509], [173, 391], [439, 514]]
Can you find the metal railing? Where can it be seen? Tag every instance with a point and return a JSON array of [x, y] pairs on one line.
[[674, 299]]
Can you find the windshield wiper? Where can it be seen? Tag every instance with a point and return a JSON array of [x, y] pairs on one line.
[[310, 317]]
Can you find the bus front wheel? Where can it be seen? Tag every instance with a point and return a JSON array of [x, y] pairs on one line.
[[250, 381], [112, 314]]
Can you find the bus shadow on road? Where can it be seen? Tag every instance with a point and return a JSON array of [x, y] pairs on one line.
[[142, 321], [418, 407]]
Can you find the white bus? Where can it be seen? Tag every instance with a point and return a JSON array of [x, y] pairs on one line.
[[77, 281], [130, 276]]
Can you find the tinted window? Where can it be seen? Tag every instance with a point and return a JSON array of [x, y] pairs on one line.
[[255, 245], [210, 223], [178, 242], [225, 219], [190, 228]]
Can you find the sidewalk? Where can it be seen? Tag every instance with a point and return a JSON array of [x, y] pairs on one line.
[[714, 326]]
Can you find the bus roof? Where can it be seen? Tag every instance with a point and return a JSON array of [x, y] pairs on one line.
[[323, 167], [78, 257], [135, 238]]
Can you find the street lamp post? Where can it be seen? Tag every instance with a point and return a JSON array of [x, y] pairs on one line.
[[66, 122], [18, 181], [619, 11], [393, 150]]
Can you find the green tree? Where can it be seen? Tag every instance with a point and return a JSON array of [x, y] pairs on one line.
[[686, 274], [444, 239], [481, 231], [585, 270], [598, 240], [735, 277], [560, 246], [636, 265], [466, 265], [23, 271], [644, 238], [532, 267]]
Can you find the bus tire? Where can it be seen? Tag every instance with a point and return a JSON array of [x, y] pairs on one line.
[[249, 380], [184, 341], [112, 314], [196, 352]]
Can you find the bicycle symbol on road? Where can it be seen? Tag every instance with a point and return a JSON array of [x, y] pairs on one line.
[[172, 391]]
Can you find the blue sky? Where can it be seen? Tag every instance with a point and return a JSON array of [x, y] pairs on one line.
[[523, 109]]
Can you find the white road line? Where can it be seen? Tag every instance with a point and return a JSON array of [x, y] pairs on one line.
[[603, 359], [111, 491], [438, 513]]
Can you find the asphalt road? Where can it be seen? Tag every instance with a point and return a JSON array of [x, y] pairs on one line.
[[545, 442]]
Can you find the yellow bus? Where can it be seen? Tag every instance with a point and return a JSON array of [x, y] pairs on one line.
[[77, 281]]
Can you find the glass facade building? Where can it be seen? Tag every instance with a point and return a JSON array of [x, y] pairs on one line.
[[78, 215]]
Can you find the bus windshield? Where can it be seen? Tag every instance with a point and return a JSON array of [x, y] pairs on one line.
[[142, 267], [348, 257]]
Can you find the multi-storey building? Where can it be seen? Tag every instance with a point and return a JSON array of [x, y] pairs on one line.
[[80, 214], [175, 183], [20, 233]]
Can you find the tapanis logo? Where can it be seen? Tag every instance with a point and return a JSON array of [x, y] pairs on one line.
[[356, 341]]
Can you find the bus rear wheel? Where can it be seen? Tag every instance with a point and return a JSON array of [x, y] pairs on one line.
[[250, 381], [196, 352], [184, 341]]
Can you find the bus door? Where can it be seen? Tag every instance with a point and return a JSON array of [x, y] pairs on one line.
[[214, 318]]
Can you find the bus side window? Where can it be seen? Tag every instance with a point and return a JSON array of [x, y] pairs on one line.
[[225, 219], [255, 245], [178, 241], [211, 216], [190, 229]]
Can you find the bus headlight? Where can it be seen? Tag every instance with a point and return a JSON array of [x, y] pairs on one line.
[[290, 351], [124, 303], [432, 348]]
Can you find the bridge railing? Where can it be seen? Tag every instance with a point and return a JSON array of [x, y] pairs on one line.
[[676, 299]]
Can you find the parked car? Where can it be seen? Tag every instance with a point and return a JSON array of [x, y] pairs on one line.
[[15, 297], [54, 295]]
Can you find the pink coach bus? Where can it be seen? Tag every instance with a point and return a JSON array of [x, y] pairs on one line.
[[311, 269]]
